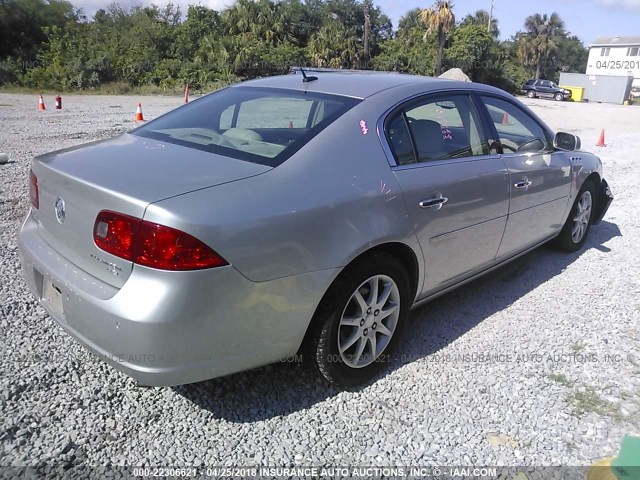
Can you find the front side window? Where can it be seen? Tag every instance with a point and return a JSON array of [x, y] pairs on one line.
[[436, 129], [260, 125], [517, 131]]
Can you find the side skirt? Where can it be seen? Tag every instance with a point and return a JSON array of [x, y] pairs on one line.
[[437, 294]]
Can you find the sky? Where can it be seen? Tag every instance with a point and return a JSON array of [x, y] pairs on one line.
[[587, 19]]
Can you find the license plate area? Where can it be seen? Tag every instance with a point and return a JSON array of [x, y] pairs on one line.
[[52, 297]]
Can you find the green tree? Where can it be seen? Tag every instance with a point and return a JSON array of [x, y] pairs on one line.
[[474, 50], [50, 44], [334, 46], [262, 19], [409, 51], [407, 54], [573, 55], [410, 22], [481, 19], [514, 72], [440, 19], [22, 24], [540, 40]]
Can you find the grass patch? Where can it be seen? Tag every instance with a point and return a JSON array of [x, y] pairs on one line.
[[589, 401], [562, 379]]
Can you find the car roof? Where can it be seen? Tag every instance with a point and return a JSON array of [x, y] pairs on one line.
[[361, 84]]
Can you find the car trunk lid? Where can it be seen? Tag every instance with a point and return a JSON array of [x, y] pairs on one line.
[[124, 174]]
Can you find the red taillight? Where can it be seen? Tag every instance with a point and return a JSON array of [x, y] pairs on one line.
[[152, 245], [114, 233], [34, 195]]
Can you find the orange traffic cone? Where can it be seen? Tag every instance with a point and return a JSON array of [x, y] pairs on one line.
[[186, 94], [505, 119], [139, 117], [41, 104], [601, 139]]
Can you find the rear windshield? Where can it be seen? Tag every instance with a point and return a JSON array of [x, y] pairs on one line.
[[260, 125]]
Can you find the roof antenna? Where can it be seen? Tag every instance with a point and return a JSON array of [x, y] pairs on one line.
[[305, 78]]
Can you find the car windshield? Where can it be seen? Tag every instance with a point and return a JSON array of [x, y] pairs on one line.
[[260, 125]]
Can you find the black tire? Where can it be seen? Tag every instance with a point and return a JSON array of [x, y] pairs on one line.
[[566, 241], [559, 97], [531, 94], [322, 349]]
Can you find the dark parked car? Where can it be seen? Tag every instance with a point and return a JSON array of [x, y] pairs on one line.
[[545, 89]]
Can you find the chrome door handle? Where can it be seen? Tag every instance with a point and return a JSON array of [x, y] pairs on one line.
[[524, 183], [436, 202]]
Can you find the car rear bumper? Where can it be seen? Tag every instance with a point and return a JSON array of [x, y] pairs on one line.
[[605, 197], [170, 328]]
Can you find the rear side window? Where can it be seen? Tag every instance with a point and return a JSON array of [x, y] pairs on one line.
[[439, 128], [260, 125], [400, 140]]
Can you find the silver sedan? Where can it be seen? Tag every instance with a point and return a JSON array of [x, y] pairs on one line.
[[295, 214]]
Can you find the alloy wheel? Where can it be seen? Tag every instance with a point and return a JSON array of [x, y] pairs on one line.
[[582, 217], [368, 321]]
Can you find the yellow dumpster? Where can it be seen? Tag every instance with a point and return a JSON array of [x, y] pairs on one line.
[[577, 93]]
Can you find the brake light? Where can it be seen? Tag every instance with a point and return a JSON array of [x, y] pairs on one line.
[[34, 194], [114, 233], [151, 244]]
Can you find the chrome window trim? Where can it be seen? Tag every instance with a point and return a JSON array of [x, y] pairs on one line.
[[446, 161]]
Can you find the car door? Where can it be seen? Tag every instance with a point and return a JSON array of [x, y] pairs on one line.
[[457, 194], [539, 177], [547, 88], [537, 87]]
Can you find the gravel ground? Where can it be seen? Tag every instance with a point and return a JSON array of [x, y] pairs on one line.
[[562, 385]]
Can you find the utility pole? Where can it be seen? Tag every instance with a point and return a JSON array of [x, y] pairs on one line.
[[490, 17], [367, 31]]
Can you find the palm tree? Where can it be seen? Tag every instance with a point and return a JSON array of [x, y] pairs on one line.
[[410, 27], [481, 19], [264, 20], [540, 39], [216, 57], [439, 18], [528, 50], [410, 20], [333, 46]]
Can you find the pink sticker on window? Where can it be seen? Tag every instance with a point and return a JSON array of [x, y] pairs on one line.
[[363, 127]]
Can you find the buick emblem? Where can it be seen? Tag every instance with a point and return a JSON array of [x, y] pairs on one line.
[[60, 210]]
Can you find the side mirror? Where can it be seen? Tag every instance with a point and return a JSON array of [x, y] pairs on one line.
[[566, 141]]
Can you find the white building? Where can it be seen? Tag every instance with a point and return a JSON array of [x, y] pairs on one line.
[[617, 56]]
